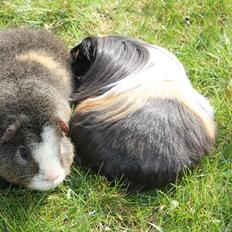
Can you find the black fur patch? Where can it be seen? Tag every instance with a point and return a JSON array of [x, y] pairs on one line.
[[147, 149], [107, 66]]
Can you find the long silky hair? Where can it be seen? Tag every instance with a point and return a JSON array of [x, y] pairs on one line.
[[137, 110]]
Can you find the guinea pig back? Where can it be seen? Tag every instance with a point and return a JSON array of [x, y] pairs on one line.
[[137, 116]]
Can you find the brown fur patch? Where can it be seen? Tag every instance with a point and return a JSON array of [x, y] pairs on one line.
[[47, 62], [112, 107]]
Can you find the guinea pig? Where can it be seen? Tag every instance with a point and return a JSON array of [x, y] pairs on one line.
[[137, 116], [35, 86]]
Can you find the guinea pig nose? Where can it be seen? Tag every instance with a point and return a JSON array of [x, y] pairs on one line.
[[51, 177]]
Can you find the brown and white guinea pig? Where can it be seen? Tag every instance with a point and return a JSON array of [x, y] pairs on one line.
[[35, 86], [137, 116]]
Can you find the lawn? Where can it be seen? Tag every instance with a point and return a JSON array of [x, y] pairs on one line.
[[200, 34]]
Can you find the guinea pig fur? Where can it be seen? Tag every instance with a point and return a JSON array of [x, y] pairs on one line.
[[35, 86], [137, 116]]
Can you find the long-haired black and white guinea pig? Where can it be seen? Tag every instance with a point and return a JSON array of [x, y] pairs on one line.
[[35, 86], [137, 115]]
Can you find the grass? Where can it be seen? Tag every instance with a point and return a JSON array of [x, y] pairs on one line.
[[199, 33]]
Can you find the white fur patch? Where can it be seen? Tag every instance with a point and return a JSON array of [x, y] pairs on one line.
[[46, 154], [162, 66]]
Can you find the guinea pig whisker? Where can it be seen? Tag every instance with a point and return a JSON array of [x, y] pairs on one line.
[[22, 177]]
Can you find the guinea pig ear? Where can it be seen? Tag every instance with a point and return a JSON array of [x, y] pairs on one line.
[[82, 57], [63, 126], [10, 132], [75, 52], [85, 52]]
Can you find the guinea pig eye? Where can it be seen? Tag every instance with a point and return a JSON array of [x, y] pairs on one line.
[[24, 152]]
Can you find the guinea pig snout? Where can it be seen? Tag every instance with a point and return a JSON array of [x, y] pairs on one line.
[[53, 176], [47, 180]]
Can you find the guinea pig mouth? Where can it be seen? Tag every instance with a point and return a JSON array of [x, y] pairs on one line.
[[38, 182]]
